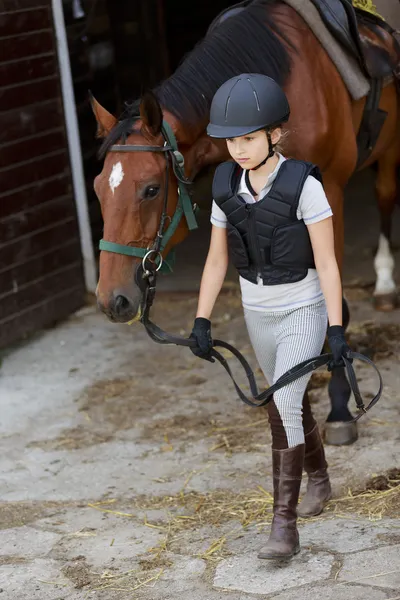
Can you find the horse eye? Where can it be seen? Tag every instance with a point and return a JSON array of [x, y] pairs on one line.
[[151, 191]]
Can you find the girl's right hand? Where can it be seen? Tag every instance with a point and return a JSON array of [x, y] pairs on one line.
[[201, 333]]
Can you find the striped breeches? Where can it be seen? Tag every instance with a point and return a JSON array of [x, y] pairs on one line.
[[281, 340]]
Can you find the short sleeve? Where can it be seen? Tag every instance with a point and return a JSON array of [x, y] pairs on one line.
[[218, 217], [313, 204]]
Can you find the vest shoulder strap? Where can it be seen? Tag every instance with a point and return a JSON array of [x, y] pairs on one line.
[[298, 171], [226, 178], [290, 180]]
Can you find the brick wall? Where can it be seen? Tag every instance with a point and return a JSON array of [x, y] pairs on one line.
[[41, 278]]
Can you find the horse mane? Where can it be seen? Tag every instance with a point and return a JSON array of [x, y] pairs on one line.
[[248, 42]]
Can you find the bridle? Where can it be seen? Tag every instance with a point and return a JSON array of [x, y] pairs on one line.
[[152, 262], [153, 253]]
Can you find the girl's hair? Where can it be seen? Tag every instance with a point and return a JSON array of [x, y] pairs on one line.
[[280, 146]]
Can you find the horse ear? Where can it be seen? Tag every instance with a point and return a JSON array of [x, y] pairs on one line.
[[105, 120], [151, 113]]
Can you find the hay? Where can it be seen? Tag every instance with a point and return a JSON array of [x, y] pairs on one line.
[[215, 509], [129, 581], [379, 498], [372, 504]]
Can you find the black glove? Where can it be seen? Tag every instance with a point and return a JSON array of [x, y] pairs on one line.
[[338, 346], [201, 332]]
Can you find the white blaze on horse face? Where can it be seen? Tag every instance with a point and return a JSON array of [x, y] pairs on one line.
[[384, 266], [117, 175]]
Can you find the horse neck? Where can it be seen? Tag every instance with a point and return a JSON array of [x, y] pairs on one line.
[[185, 134], [197, 148]]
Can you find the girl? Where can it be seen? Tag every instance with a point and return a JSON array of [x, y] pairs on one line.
[[273, 216]]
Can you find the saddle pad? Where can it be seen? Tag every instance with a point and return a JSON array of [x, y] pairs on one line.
[[355, 81]]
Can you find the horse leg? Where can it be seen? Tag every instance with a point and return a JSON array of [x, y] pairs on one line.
[[339, 430], [387, 188]]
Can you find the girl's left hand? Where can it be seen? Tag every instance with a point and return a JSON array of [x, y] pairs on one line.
[[338, 345], [201, 333]]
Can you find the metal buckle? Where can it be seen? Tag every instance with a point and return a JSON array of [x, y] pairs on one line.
[[145, 258]]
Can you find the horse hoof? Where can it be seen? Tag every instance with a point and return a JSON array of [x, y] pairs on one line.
[[385, 302], [340, 433]]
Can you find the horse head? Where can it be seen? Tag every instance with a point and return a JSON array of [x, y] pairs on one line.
[[135, 188]]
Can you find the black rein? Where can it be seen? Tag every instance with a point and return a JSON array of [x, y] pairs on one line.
[[261, 398]]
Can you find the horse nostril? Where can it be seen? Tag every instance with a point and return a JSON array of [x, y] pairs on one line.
[[121, 304]]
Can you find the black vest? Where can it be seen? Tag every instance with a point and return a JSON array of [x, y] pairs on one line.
[[266, 237]]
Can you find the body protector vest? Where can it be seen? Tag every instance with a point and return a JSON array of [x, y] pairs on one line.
[[266, 238]]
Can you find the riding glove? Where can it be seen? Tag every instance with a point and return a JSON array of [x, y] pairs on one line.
[[338, 346], [201, 333]]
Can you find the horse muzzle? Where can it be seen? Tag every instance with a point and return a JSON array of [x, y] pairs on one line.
[[121, 307]]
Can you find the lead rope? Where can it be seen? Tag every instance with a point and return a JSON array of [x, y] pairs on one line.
[[258, 398]]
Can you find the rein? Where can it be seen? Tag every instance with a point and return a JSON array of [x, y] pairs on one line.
[[146, 278], [258, 398]]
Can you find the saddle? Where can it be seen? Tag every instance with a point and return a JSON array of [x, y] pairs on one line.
[[342, 21]]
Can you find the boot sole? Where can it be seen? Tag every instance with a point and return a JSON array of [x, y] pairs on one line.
[[279, 556]]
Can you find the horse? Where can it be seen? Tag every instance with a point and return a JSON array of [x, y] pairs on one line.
[[269, 37]]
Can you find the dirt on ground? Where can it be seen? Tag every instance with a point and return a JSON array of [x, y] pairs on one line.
[[110, 406], [178, 469]]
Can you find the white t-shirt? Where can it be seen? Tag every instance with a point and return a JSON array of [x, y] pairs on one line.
[[313, 207]]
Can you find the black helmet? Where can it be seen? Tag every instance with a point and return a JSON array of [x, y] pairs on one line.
[[246, 103]]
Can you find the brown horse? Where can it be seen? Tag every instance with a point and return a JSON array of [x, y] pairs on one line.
[[270, 38]]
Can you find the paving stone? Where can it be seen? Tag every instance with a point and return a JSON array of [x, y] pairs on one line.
[[346, 535], [27, 542], [248, 574], [336, 592], [37, 580], [185, 567], [121, 542], [379, 567]]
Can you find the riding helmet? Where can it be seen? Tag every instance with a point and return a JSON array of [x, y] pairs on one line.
[[246, 103]]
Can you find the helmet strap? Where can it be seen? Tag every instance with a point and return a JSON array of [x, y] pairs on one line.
[[270, 153]]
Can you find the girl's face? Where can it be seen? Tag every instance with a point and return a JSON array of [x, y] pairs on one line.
[[251, 149]]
